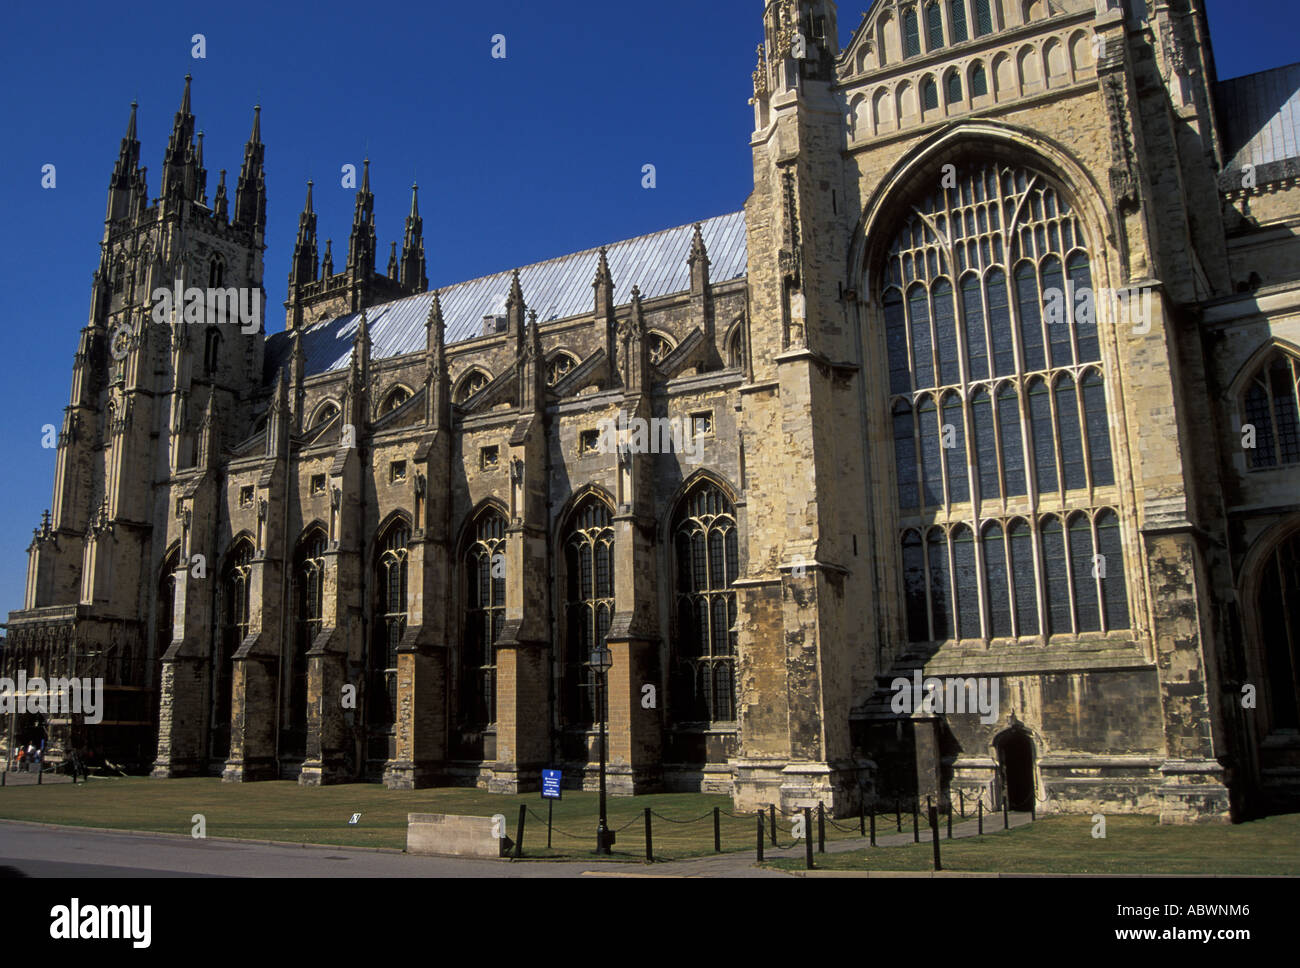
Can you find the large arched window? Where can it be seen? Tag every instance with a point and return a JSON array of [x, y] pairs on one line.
[[485, 609], [588, 604], [395, 398], [933, 26], [235, 597], [957, 20], [911, 33], [470, 384], [559, 366], [998, 402], [308, 596], [1271, 410], [704, 648], [390, 624]]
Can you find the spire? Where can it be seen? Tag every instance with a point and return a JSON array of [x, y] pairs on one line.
[[698, 252], [180, 163], [277, 424], [356, 390], [250, 192], [701, 297], [201, 186], [361, 243], [125, 173], [604, 288], [392, 261], [303, 268], [634, 355], [532, 369], [437, 392], [361, 345], [414, 278], [515, 308], [327, 261]]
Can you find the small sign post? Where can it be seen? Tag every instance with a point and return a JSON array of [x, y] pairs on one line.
[[551, 791]]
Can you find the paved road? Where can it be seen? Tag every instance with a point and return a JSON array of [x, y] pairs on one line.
[[36, 850], [40, 851]]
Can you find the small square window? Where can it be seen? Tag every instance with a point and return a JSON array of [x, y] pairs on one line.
[[318, 483], [702, 424], [588, 441], [397, 472], [489, 457], [246, 496]]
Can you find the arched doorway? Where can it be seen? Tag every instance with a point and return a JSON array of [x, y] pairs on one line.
[[1016, 760]]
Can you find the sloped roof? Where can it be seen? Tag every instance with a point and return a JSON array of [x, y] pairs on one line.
[[1259, 117], [557, 289]]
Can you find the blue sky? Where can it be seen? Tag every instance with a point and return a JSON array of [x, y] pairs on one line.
[[518, 159]]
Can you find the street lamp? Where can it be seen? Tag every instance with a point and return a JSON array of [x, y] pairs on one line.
[[601, 660]]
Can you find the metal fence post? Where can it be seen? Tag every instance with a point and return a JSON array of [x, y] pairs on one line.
[[760, 836], [717, 831], [873, 829], [821, 827], [934, 836], [981, 813], [649, 839], [771, 812], [898, 814], [807, 836]]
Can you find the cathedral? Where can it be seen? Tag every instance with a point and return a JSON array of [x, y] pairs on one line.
[[991, 381]]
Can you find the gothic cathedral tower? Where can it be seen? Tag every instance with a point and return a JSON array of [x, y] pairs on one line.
[[152, 379]]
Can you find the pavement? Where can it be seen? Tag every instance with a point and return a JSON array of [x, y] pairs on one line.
[[48, 850]]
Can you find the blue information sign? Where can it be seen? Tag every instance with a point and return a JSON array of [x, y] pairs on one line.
[[551, 784]]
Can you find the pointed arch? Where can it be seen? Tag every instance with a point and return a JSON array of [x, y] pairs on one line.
[[559, 364], [469, 383], [587, 581], [483, 569], [394, 398], [325, 411], [390, 568], [706, 560], [307, 583]]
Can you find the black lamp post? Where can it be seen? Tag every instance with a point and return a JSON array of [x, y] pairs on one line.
[[601, 660]]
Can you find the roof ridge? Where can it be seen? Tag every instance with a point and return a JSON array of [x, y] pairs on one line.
[[595, 249], [1267, 70]]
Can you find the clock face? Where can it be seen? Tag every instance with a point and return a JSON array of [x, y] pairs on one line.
[[120, 342]]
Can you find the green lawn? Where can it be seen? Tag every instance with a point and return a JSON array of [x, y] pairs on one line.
[[284, 811], [1064, 845]]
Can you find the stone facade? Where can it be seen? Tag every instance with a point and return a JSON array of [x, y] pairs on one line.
[[393, 565]]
